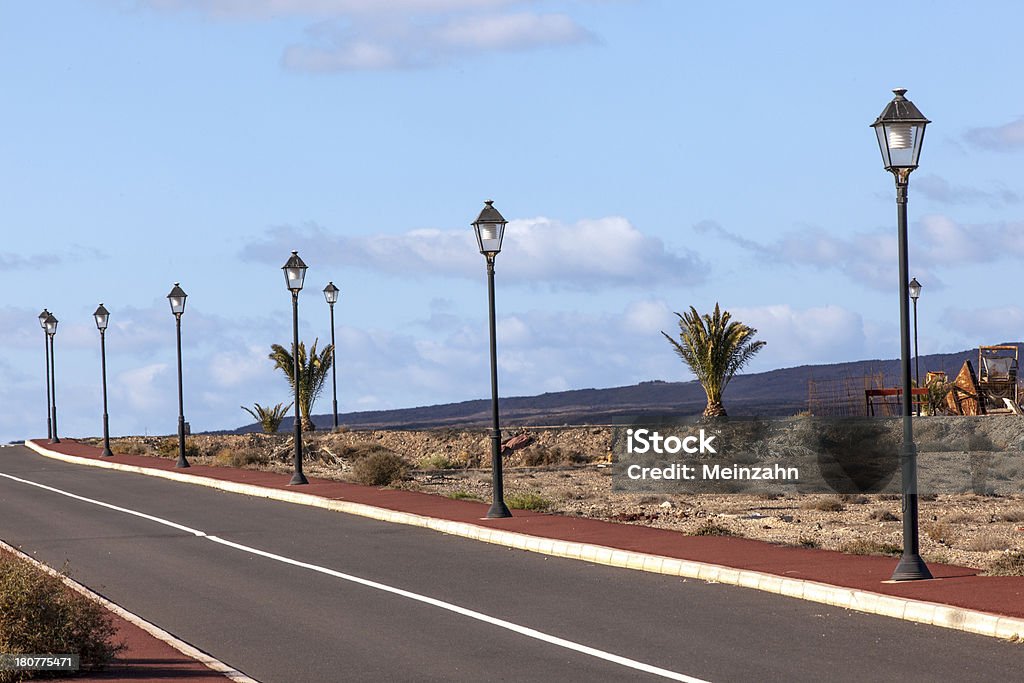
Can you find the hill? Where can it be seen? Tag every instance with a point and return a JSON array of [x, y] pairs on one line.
[[774, 393]]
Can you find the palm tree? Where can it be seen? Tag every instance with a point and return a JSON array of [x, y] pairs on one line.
[[715, 348], [313, 371], [269, 418]]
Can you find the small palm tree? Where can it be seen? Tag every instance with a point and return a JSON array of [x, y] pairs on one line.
[[269, 418], [715, 348], [313, 371]]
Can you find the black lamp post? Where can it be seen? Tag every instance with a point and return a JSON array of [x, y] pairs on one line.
[[490, 228], [915, 292], [331, 294], [51, 332], [900, 130], [46, 351], [177, 300], [294, 273], [102, 317]]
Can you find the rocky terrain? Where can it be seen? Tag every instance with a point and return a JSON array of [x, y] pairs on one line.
[[568, 471]]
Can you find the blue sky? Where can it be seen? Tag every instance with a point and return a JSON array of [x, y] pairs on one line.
[[649, 156]]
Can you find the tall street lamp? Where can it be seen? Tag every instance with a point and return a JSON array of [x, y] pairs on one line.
[[900, 130], [102, 317], [490, 228], [915, 292], [46, 351], [294, 273], [331, 294], [51, 332], [177, 300]]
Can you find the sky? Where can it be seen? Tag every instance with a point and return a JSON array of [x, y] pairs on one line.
[[649, 155]]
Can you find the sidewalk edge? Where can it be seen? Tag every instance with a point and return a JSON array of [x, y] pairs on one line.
[[150, 628], [907, 609]]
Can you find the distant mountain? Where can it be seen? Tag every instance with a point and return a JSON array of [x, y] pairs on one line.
[[774, 393]]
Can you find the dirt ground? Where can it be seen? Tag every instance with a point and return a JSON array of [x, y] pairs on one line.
[[567, 471]]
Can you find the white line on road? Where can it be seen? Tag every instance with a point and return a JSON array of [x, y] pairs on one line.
[[472, 614]]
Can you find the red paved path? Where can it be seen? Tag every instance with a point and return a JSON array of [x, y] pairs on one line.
[[958, 586]]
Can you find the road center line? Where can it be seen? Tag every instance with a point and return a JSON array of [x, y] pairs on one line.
[[450, 607]]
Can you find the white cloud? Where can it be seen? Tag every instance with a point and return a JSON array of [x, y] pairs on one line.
[[937, 243], [941, 190], [375, 34], [992, 325], [236, 367], [594, 252], [1004, 138], [143, 388], [801, 336]]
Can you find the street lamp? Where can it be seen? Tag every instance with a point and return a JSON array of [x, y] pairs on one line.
[[102, 317], [900, 131], [177, 298], [915, 292], [46, 351], [51, 331], [294, 273], [331, 294], [490, 228]]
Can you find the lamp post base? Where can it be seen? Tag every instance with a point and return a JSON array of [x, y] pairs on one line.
[[107, 453], [298, 479], [182, 463], [498, 510], [911, 568]]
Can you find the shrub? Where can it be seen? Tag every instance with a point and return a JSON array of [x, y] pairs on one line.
[[39, 614], [863, 546], [883, 516], [360, 450], [528, 501], [710, 528], [463, 495], [440, 461], [168, 448], [380, 468], [823, 505], [130, 448], [243, 456], [1008, 564]]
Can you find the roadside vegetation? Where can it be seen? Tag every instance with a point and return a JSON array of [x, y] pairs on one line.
[[715, 348], [269, 418], [40, 615], [313, 371]]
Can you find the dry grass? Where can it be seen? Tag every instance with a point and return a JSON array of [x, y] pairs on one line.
[[710, 528], [985, 541], [863, 546], [1009, 564]]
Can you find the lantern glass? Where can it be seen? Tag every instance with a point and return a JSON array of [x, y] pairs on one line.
[[915, 289], [42, 318], [900, 132], [294, 272], [102, 317], [177, 299], [331, 293], [51, 325], [490, 229]]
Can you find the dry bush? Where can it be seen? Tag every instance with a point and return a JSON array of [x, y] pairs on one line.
[[130, 448], [854, 498], [168, 448], [528, 501], [863, 546], [710, 528], [379, 468], [883, 516], [940, 532], [1012, 516], [243, 456], [823, 505], [1008, 564], [440, 461], [39, 614], [985, 541]]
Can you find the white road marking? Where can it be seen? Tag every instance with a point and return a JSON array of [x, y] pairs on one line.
[[472, 614]]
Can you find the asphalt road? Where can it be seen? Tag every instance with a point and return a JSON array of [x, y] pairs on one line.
[[326, 620]]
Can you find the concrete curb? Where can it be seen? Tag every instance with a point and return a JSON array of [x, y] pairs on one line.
[[919, 611], [152, 629]]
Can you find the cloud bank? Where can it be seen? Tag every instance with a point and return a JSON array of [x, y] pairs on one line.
[[595, 252]]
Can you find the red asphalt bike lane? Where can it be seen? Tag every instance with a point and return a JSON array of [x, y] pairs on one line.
[[952, 585]]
